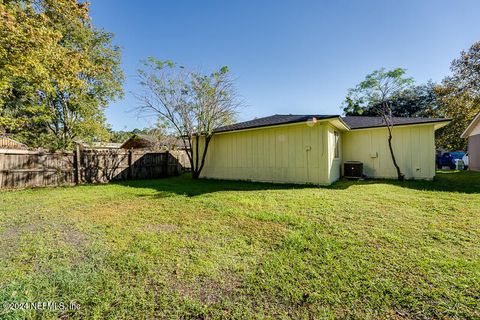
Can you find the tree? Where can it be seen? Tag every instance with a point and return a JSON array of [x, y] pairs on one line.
[[461, 109], [78, 111], [459, 98], [466, 71], [57, 72], [158, 131], [27, 47], [415, 101], [192, 104], [376, 94], [119, 136]]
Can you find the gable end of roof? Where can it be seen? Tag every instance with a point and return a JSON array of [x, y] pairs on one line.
[[471, 126]]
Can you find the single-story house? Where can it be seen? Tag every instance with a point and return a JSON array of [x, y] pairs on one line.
[[473, 134], [312, 148]]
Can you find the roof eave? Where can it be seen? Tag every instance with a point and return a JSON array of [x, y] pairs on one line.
[[437, 124], [470, 127], [327, 118], [441, 124], [343, 123]]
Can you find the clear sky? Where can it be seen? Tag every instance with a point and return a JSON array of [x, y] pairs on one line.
[[295, 57]]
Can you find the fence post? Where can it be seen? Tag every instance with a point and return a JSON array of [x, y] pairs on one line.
[[130, 164], [77, 163]]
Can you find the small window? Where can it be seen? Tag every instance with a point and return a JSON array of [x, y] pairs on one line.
[[337, 147]]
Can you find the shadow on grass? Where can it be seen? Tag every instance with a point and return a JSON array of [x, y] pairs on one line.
[[449, 181], [185, 185], [446, 181]]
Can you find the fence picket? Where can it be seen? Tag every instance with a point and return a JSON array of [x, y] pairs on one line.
[[21, 168]]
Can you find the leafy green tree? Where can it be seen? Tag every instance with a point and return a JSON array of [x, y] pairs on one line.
[[461, 109], [459, 98], [158, 131], [192, 104], [375, 93], [417, 101], [57, 72], [466, 71], [414, 101], [119, 136], [27, 45]]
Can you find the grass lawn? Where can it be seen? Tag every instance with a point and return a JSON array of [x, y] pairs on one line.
[[177, 248]]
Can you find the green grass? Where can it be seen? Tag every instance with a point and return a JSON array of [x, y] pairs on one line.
[[177, 248]]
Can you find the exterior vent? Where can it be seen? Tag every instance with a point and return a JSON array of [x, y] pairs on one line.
[[353, 169]]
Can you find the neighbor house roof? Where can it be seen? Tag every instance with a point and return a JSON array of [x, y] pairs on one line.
[[471, 126], [359, 122], [276, 119], [145, 141], [139, 141], [355, 122], [99, 145], [147, 137]]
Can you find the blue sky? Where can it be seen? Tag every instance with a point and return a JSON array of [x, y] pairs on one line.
[[287, 56]]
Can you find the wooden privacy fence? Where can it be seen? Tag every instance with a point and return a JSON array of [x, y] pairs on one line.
[[22, 168]]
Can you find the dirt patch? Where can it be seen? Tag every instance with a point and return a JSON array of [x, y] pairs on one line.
[[208, 291], [73, 236], [160, 228], [11, 238]]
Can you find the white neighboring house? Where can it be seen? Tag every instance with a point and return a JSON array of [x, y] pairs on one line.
[[472, 133]]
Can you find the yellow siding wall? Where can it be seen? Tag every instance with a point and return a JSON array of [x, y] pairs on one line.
[[414, 148], [275, 154]]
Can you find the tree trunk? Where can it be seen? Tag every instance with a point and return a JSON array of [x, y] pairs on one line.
[[195, 174], [400, 175], [197, 146], [197, 169], [189, 149], [204, 155], [386, 113]]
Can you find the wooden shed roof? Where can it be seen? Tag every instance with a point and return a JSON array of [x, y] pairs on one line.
[[7, 143]]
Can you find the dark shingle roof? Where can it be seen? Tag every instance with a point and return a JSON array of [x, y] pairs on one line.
[[353, 122], [147, 137], [358, 122], [273, 120]]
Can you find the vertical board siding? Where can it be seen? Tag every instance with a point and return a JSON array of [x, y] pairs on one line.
[[334, 164], [474, 152], [269, 154], [414, 148], [279, 154]]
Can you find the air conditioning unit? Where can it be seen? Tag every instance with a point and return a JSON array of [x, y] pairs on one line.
[[353, 169]]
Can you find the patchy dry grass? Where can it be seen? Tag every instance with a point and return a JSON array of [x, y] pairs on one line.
[[177, 248]]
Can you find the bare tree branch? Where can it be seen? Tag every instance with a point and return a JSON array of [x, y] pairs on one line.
[[193, 104]]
